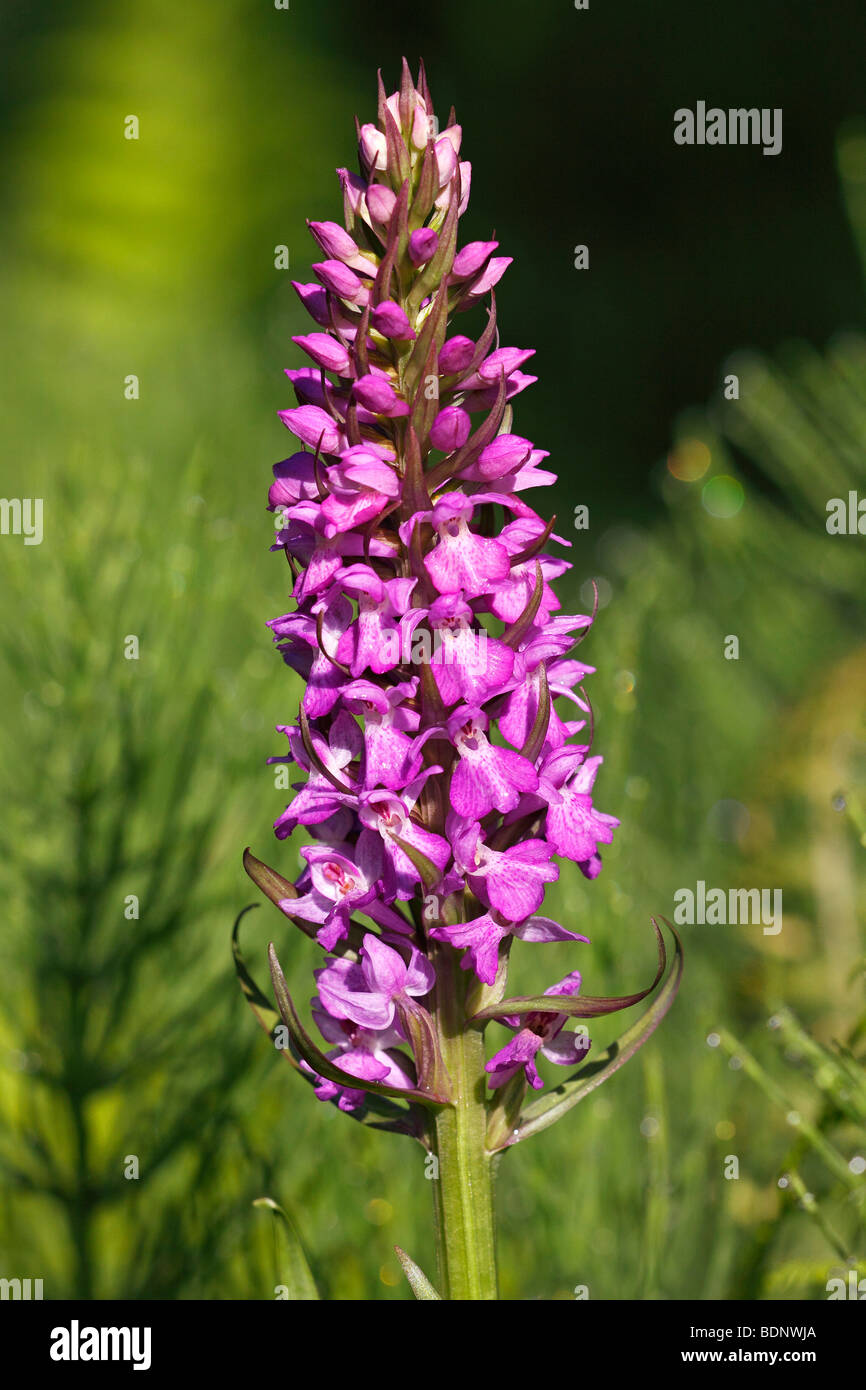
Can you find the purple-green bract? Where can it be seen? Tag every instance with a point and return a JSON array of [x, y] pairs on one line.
[[441, 778]]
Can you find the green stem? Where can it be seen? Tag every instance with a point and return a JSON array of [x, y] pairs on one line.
[[463, 1190]]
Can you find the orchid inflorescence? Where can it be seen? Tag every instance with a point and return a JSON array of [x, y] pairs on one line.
[[441, 779]]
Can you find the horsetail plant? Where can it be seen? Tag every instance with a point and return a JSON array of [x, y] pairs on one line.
[[441, 780]]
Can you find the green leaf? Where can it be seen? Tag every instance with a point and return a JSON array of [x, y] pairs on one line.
[[577, 1006], [421, 1286], [504, 1111], [482, 347], [272, 884], [398, 155], [293, 1271], [553, 1104], [391, 1117], [266, 1015], [322, 1065], [429, 339]]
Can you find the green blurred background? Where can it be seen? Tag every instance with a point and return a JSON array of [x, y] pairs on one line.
[[126, 1037]]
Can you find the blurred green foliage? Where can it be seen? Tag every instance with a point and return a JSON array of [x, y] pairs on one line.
[[124, 1036]]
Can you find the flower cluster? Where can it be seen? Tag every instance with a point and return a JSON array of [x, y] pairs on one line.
[[441, 781]]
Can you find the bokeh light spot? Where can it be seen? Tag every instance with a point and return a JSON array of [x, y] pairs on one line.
[[723, 496], [689, 461]]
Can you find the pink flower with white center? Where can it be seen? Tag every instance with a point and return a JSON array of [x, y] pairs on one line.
[[296, 635], [440, 779], [511, 881], [388, 816], [539, 1032], [317, 800], [536, 656], [381, 634], [391, 757], [367, 992], [339, 886], [574, 828], [461, 559], [486, 777], [467, 664]]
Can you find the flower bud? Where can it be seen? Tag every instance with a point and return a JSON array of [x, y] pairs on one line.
[[389, 319], [422, 245], [313, 426], [334, 240], [503, 455], [325, 351], [455, 355], [339, 279], [377, 394], [380, 203], [450, 429], [373, 147], [446, 160], [471, 258]]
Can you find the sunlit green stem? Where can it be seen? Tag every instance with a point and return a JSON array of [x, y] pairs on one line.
[[463, 1189]]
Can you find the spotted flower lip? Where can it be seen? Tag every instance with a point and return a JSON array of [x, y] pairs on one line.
[[435, 737], [539, 1032]]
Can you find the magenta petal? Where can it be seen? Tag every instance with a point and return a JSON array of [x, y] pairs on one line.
[[566, 1049], [390, 320], [384, 969]]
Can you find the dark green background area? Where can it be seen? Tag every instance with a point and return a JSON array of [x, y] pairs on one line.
[[155, 257]]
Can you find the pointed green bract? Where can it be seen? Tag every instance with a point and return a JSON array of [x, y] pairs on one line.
[[555, 1103], [421, 1286], [574, 1005], [293, 1270], [267, 1016]]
